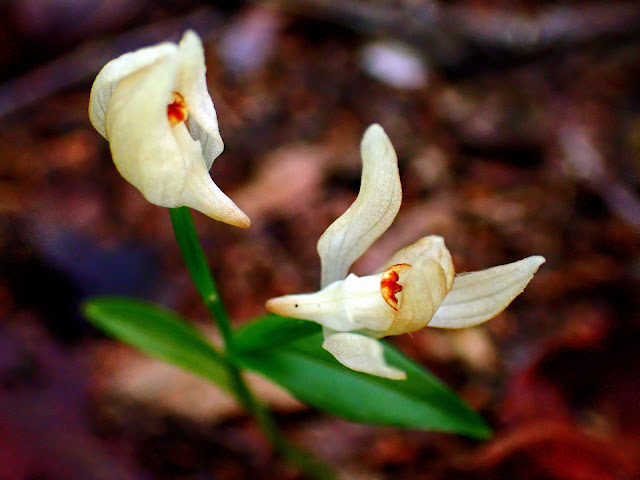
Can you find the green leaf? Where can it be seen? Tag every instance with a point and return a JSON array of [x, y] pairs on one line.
[[271, 330], [161, 333], [314, 376]]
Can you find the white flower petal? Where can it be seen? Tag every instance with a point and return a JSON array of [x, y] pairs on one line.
[[354, 303], [360, 353], [114, 71], [479, 296], [200, 192], [424, 286], [142, 144], [168, 164], [191, 82], [370, 214]]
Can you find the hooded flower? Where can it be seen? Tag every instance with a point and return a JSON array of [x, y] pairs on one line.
[[415, 288], [153, 107]]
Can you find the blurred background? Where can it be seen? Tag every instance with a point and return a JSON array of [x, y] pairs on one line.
[[517, 127]]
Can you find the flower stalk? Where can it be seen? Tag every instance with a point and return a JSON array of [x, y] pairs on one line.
[[200, 273]]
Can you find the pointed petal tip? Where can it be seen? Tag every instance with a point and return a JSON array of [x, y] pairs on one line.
[[396, 375], [530, 265], [306, 306], [190, 34], [225, 212], [191, 39], [374, 132], [240, 220], [539, 259], [374, 128], [282, 306], [479, 296], [202, 194], [272, 305]]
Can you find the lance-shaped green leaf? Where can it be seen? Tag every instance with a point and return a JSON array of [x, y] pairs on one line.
[[272, 330], [161, 333], [314, 376]]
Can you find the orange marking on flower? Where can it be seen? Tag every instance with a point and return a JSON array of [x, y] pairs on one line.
[[177, 110], [389, 285]]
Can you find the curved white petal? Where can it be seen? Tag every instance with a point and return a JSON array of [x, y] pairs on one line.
[[354, 303], [479, 296], [424, 286], [200, 192], [169, 165], [370, 214], [117, 69], [431, 246], [360, 353], [142, 144], [191, 82]]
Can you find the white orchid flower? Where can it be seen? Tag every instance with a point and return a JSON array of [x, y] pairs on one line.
[[153, 107], [415, 288]]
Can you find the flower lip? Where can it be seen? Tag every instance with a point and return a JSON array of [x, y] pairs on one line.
[[389, 285], [177, 110]]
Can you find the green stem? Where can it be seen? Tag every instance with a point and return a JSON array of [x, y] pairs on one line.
[[198, 268]]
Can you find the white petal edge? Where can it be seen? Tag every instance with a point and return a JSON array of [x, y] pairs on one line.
[[142, 143], [114, 71], [479, 296], [200, 192], [360, 353], [371, 213], [191, 83]]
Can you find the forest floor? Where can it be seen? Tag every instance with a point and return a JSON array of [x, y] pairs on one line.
[[517, 130]]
